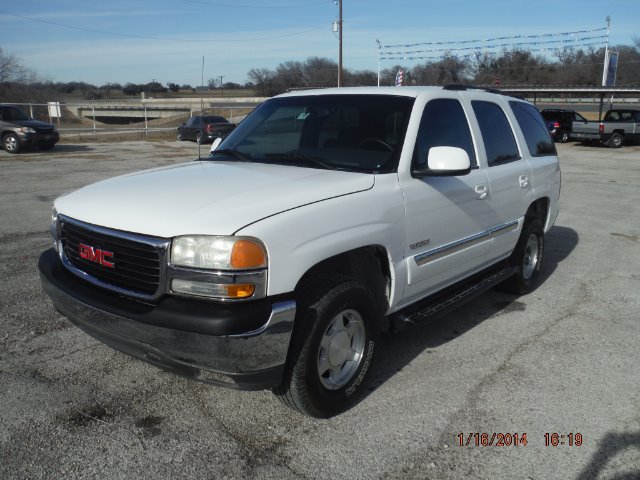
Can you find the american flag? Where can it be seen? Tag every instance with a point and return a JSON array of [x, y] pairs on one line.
[[399, 77]]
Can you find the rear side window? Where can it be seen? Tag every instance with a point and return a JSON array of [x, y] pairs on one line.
[[534, 129], [578, 118], [499, 141], [443, 124]]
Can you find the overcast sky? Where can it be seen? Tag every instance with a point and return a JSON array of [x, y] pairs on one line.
[[140, 41]]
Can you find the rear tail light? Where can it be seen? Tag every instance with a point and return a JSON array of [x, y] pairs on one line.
[[209, 128], [601, 128], [556, 124]]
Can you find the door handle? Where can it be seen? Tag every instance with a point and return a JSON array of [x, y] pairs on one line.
[[524, 181], [481, 192]]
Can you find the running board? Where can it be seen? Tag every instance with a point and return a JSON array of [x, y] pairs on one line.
[[449, 299]]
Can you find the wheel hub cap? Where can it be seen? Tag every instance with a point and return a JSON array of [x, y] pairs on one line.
[[341, 349]]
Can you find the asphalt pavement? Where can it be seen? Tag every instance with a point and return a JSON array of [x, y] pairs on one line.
[[562, 360]]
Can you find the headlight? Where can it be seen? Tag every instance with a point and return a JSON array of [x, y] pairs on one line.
[[218, 253], [221, 268], [27, 130]]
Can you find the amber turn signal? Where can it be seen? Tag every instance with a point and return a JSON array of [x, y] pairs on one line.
[[248, 254], [240, 291]]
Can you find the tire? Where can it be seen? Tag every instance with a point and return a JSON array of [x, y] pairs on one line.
[[199, 138], [615, 141], [564, 136], [179, 136], [527, 258], [11, 143], [332, 349]]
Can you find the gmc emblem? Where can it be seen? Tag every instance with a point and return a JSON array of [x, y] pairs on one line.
[[96, 255]]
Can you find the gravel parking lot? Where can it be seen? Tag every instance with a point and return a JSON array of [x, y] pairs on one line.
[[564, 359]]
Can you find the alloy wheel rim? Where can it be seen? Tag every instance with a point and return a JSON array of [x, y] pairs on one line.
[[341, 349]]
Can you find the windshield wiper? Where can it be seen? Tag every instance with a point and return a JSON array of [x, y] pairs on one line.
[[233, 153], [297, 158]]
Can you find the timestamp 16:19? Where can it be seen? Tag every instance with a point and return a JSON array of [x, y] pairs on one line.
[[569, 439]]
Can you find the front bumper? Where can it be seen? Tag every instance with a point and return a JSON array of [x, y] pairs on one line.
[[38, 138], [199, 340]]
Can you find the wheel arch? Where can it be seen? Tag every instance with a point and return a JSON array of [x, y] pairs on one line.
[[539, 209], [369, 264]]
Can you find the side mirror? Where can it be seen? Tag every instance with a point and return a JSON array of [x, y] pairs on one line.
[[215, 144], [446, 161]]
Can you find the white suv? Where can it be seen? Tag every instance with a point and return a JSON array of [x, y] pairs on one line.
[[325, 218]]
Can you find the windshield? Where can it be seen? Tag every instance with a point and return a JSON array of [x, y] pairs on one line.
[[360, 133]]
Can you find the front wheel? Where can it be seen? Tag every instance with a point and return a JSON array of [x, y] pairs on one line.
[[526, 258], [332, 349], [11, 143], [179, 136]]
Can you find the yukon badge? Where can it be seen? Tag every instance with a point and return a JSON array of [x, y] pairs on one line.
[[96, 255]]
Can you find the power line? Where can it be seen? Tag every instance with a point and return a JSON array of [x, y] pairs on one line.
[[235, 5], [146, 37]]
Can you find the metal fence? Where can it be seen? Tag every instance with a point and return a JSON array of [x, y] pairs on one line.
[[83, 118]]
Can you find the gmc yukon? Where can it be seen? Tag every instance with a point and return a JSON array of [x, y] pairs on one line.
[[323, 219]]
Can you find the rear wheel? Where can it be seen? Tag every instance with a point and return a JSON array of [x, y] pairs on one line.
[[332, 349], [199, 138], [527, 258], [11, 143], [615, 141], [564, 136]]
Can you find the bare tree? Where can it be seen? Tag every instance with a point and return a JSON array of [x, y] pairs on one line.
[[263, 79], [12, 70]]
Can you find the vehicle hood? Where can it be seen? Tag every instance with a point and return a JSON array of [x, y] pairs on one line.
[[32, 123], [205, 197]]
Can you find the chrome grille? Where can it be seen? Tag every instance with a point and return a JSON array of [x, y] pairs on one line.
[[138, 262]]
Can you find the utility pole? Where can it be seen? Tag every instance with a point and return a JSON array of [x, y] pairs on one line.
[[379, 55], [221, 89], [340, 43]]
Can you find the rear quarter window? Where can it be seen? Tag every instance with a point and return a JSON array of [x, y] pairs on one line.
[[499, 142], [533, 128]]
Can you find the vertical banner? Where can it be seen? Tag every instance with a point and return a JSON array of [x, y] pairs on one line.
[[399, 78], [610, 69]]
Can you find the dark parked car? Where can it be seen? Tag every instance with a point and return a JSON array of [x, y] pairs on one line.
[[204, 128], [560, 122], [19, 130]]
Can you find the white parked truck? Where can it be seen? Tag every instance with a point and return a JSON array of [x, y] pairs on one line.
[[323, 219]]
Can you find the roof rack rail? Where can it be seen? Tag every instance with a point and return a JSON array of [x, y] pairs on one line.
[[459, 86]]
